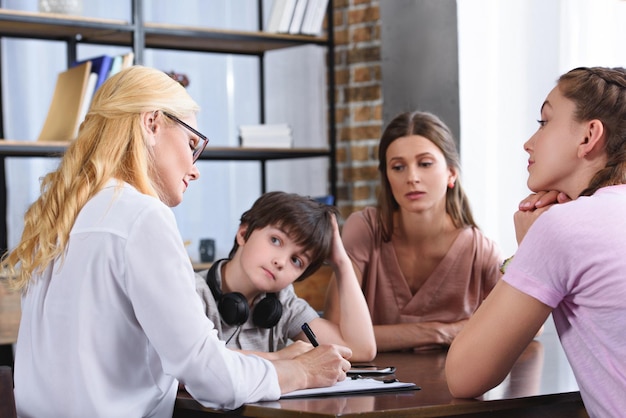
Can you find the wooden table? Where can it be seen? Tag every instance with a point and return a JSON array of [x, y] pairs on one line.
[[540, 385]]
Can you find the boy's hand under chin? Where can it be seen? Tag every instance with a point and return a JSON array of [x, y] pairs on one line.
[[338, 255]]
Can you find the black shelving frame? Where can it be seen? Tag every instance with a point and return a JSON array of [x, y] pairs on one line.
[[140, 35]]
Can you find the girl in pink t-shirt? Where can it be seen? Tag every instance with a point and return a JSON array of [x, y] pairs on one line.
[[570, 260]]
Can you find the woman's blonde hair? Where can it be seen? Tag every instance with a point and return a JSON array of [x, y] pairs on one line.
[[111, 143]]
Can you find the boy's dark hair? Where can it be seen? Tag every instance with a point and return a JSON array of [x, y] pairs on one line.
[[305, 220]]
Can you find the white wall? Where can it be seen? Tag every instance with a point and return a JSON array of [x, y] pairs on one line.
[[510, 55]]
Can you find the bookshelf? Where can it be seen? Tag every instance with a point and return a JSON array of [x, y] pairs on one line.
[[140, 35]]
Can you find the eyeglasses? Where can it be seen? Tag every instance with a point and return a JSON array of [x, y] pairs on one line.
[[201, 144]]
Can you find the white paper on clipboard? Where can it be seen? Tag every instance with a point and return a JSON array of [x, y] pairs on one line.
[[352, 386]]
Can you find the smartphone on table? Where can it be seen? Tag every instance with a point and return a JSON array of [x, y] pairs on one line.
[[365, 369]]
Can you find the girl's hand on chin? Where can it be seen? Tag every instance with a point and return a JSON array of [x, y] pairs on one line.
[[543, 199]]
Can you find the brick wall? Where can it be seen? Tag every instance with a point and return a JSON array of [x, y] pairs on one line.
[[359, 100]]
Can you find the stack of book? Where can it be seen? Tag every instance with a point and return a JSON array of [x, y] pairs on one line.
[[73, 92], [304, 17], [265, 136]]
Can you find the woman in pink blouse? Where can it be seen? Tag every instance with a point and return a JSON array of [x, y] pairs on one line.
[[423, 263]]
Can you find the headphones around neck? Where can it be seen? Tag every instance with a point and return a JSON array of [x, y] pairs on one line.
[[233, 307]]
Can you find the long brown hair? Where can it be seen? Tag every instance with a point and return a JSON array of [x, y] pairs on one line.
[[431, 127], [600, 93]]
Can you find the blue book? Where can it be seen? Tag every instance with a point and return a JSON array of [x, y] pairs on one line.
[[101, 66], [327, 200]]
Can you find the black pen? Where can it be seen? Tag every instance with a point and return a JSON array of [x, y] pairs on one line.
[[309, 334]]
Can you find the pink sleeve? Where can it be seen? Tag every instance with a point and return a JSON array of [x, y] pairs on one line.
[[492, 259], [358, 238]]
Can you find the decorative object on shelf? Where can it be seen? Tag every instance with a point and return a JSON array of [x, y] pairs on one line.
[[207, 250], [265, 136], [72, 7], [181, 78]]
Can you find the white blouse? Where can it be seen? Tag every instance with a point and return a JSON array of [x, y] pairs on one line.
[[113, 326]]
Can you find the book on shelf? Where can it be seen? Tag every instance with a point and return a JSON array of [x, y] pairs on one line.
[[265, 136], [326, 199], [63, 118], [128, 59], [89, 92], [278, 6], [100, 65], [304, 17], [120, 62], [281, 16], [314, 17], [298, 16], [287, 15], [116, 65]]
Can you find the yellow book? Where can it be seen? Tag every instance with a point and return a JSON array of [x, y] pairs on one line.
[[64, 113], [128, 59]]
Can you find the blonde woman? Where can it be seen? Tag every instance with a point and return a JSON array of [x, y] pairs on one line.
[[111, 321]]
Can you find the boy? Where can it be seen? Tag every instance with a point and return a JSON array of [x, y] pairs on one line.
[[250, 298]]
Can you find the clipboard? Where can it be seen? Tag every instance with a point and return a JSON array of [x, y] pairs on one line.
[[351, 386]]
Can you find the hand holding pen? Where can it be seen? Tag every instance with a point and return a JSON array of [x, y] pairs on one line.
[[310, 334]]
